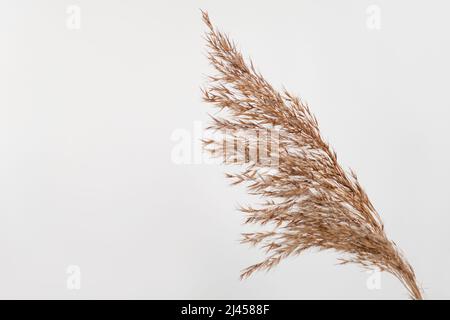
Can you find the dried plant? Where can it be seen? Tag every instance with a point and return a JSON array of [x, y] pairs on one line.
[[310, 201]]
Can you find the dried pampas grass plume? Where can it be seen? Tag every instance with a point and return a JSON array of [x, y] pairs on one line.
[[310, 200]]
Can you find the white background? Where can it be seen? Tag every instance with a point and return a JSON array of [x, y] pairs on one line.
[[86, 120]]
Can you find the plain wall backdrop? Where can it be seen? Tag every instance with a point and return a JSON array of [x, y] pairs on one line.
[[93, 91]]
